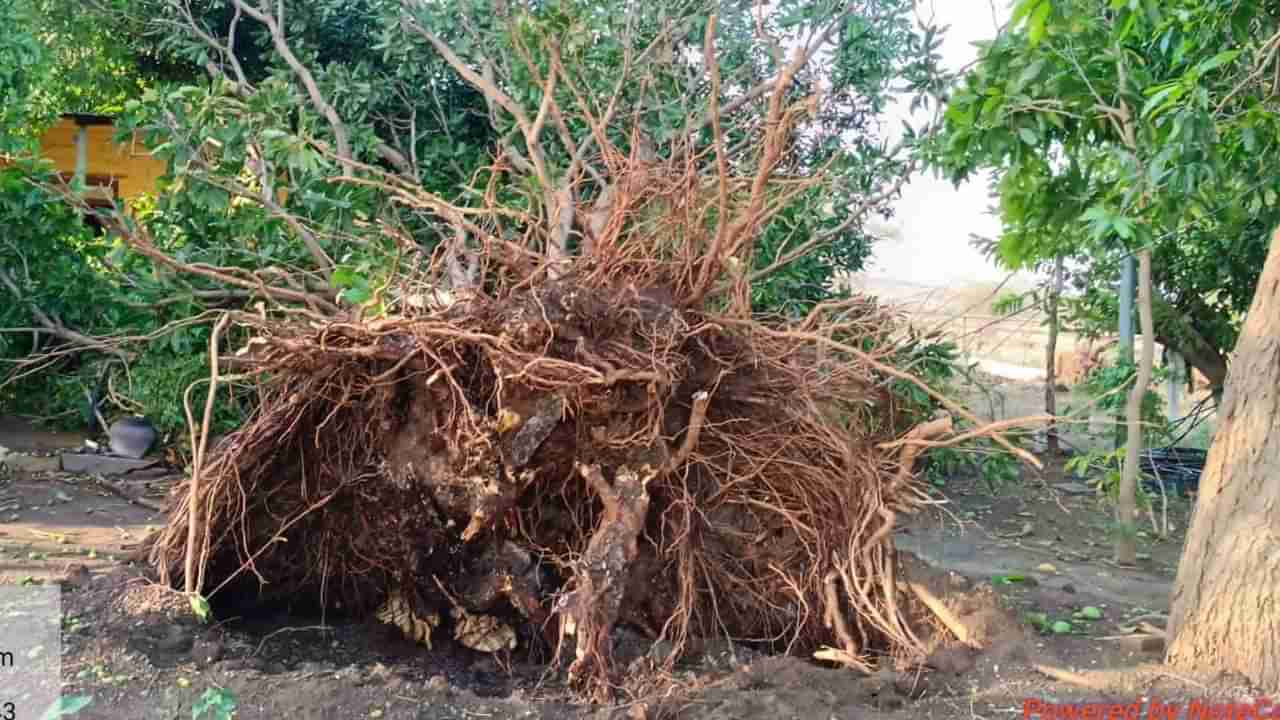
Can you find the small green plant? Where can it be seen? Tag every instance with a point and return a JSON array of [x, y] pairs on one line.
[[1108, 390], [931, 359], [944, 463], [200, 607], [215, 704], [1100, 468], [66, 706], [1103, 470], [996, 467]]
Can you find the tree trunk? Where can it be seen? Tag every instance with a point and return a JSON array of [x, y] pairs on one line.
[[1228, 583], [1208, 361], [1178, 332], [1127, 506], [1050, 371]]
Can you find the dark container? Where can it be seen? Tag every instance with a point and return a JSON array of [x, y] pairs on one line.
[[132, 437]]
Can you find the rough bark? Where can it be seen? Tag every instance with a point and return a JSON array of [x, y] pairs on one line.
[[1228, 585], [1051, 350], [601, 579], [1126, 508], [1210, 363], [1177, 331]]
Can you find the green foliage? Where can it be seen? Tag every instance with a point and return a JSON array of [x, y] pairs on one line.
[[1112, 126], [52, 264], [47, 251], [253, 183], [1102, 469], [934, 360], [982, 459], [1108, 388], [51, 261], [381, 76], [56, 60], [215, 704], [1009, 303], [200, 607], [22, 69]]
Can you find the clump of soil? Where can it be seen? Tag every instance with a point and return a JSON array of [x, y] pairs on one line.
[[134, 647]]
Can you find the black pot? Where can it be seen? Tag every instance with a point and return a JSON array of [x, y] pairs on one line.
[[132, 437]]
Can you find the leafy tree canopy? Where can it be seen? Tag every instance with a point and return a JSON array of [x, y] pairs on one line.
[[294, 132], [1127, 124]]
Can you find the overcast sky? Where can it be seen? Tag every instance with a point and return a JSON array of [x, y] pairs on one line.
[[934, 219]]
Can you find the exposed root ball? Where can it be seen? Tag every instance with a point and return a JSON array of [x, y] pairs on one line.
[[577, 452]]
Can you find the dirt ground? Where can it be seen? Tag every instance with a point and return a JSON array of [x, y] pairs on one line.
[[1009, 564]]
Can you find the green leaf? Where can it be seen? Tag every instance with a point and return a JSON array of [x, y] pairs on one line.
[[357, 295], [1218, 60], [1061, 627], [216, 703], [1149, 107], [1022, 10], [343, 277], [1029, 74], [200, 606], [1028, 136], [1090, 612], [1037, 25], [66, 706]]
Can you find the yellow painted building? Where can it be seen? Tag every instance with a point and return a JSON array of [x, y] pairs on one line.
[[86, 144]]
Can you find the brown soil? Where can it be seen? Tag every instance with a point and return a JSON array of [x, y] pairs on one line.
[[136, 649]]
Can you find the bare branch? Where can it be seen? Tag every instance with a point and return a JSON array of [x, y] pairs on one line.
[[820, 239], [802, 58], [486, 85], [276, 28], [722, 163], [226, 50], [53, 325]]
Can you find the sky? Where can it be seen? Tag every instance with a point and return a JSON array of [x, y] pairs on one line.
[[928, 242]]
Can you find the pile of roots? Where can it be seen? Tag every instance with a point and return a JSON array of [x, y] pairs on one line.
[[543, 465]]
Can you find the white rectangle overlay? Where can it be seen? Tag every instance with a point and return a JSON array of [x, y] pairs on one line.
[[30, 650]]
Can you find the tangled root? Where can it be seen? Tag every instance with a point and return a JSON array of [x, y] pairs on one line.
[[564, 459]]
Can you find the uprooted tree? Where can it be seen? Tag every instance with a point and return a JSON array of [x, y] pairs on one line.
[[400, 104], [542, 403]]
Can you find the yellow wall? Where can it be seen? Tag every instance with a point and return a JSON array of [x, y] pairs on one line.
[[131, 165]]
